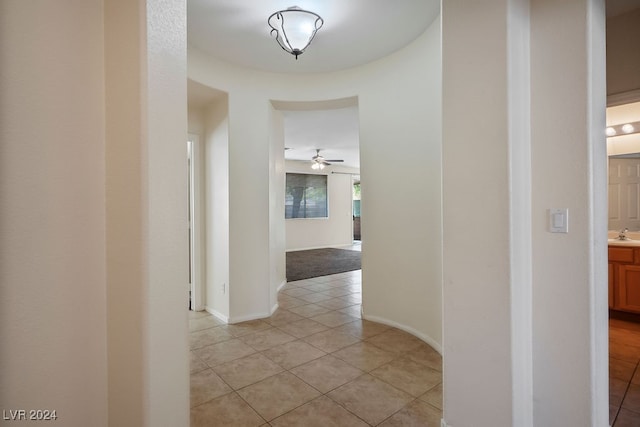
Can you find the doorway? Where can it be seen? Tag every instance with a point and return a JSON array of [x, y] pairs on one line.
[[194, 206]]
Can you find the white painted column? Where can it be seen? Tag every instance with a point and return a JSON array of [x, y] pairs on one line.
[[476, 214], [249, 269]]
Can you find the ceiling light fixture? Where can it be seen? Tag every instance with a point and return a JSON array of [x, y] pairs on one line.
[[294, 28]]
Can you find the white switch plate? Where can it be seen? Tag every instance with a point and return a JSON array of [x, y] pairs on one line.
[[559, 220]]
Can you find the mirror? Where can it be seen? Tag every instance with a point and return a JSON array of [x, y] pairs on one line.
[[624, 168], [624, 192]]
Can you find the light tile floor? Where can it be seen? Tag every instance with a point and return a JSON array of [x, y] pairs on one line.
[[315, 362], [624, 373]]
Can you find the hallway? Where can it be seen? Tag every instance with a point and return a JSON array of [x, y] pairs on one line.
[[314, 362]]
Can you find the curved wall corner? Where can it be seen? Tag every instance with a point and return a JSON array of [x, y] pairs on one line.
[[399, 100]]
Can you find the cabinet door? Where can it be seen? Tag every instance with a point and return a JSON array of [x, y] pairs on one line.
[[628, 295], [611, 282]]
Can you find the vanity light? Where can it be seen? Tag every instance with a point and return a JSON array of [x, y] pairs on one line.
[[294, 28], [628, 128], [623, 129]]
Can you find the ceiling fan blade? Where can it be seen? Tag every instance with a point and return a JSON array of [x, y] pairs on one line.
[[335, 161]]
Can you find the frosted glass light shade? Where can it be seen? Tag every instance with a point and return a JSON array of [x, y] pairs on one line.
[[294, 29]]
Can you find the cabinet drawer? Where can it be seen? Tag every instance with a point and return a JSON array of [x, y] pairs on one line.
[[618, 254]]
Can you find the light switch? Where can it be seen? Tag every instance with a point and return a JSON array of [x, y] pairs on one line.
[[559, 220]]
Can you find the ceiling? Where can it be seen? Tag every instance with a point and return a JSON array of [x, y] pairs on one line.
[[355, 32]]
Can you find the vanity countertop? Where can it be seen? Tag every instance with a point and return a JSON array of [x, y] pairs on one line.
[[618, 242]]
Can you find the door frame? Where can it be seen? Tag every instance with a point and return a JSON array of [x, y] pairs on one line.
[[196, 231]]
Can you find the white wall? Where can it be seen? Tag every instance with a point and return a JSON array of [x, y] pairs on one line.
[[276, 207], [404, 89], [217, 208], [147, 220], [53, 307], [337, 229], [527, 313]]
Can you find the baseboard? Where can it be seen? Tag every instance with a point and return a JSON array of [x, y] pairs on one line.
[[217, 314], [284, 282], [274, 308], [248, 317], [443, 423], [435, 345]]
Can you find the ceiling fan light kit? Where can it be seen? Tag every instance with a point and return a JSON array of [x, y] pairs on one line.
[[318, 162], [294, 28]]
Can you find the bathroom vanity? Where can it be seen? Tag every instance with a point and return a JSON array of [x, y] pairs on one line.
[[624, 275]]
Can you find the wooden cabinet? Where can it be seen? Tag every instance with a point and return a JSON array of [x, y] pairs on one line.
[[624, 278]]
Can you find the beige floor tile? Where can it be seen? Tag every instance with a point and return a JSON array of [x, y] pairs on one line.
[[314, 297], [287, 303], [353, 310], [204, 322], [627, 418], [426, 356], [309, 310], [409, 376], [206, 385], [417, 413], [267, 338], [195, 363], [326, 373], [333, 319], [303, 328], [363, 329], [364, 356], [245, 328], [198, 314], [278, 394], [293, 354], [320, 412], [331, 340], [226, 411], [223, 352], [433, 396], [282, 317], [317, 287], [247, 370], [395, 341], [355, 298], [338, 291], [371, 399], [296, 292], [206, 337], [335, 303]]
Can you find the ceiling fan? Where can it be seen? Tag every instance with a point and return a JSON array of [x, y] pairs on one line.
[[319, 162]]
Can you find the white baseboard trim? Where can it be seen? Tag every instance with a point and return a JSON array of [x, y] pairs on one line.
[[443, 423], [248, 317], [274, 308], [217, 314], [284, 282], [437, 347]]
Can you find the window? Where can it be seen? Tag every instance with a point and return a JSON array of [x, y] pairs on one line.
[[306, 196]]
